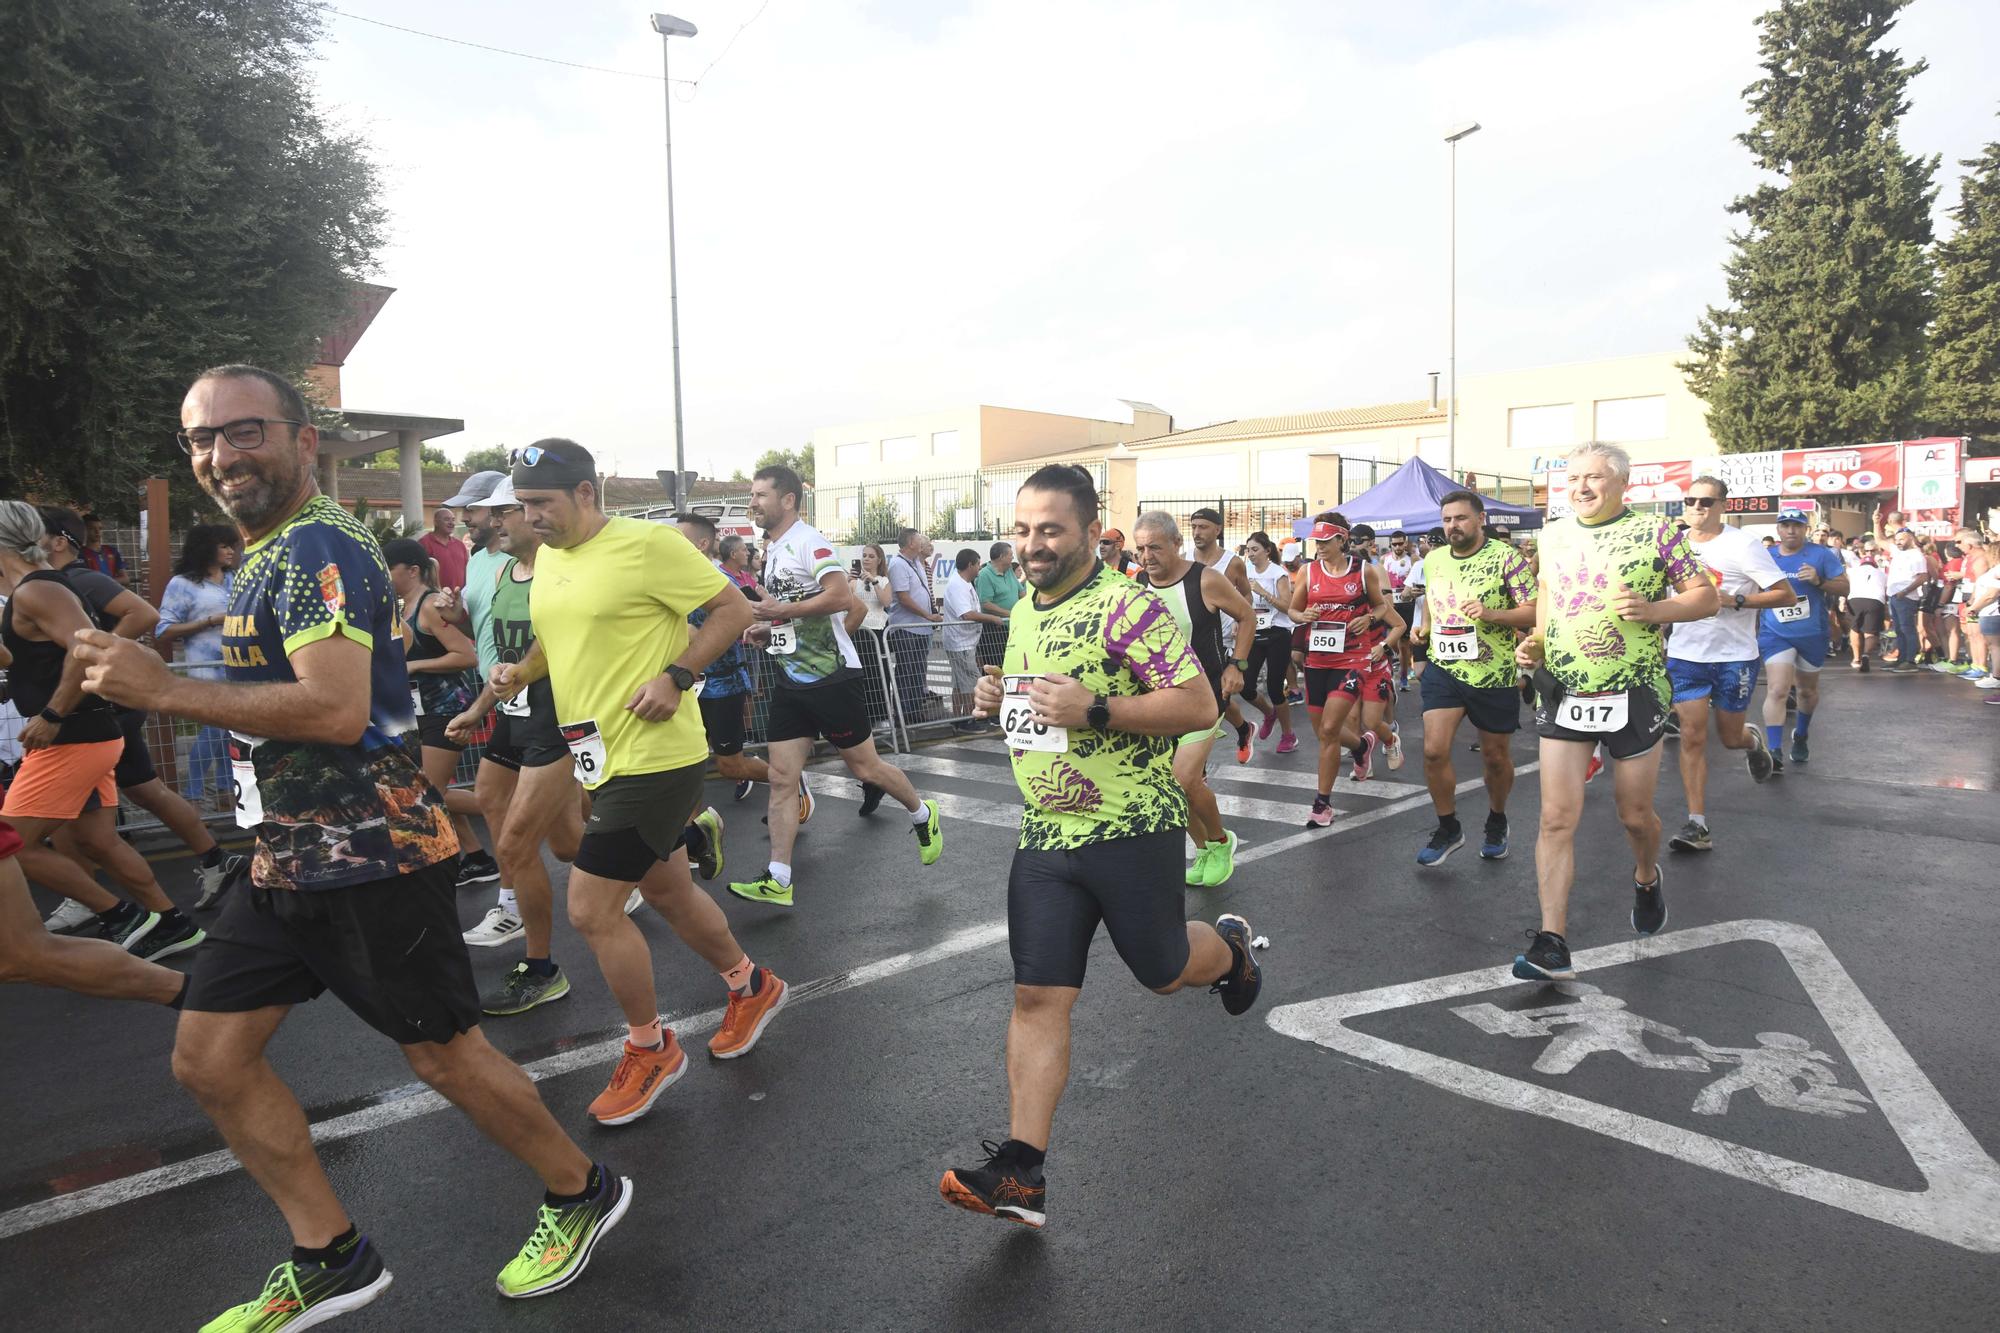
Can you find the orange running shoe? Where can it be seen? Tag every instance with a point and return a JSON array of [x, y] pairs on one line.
[[637, 1083], [748, 1016]]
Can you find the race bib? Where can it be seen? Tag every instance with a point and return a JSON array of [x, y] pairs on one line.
[[586, 751], [416, 702], [249, 801], [1593, 712], [784, 639], [1791, 615], [1017, 719], [1266, 617], [516, 706], [1328, 638], [1455, 643]]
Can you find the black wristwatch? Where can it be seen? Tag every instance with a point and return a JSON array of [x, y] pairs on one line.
[[1739, 601], [1240, 663], [1098, 715], [682, 678], [52, 717]]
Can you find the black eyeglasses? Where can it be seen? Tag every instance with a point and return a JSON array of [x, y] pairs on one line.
[[534, 454], [244, 435], [1702, 501]]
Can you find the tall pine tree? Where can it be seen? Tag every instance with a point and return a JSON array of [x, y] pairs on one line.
[[1965, 340], [1822, 341]]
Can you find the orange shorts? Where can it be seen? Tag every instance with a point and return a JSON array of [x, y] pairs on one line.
[[58, 781]]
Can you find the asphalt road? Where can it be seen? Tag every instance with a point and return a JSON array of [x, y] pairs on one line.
[[1436, 1156]]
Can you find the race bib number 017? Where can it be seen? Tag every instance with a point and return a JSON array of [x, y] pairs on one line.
[[1328, 638], [586, 751], [1791, 615], [1455, 643], [1594, 712], [784, 639], [1017, 719]]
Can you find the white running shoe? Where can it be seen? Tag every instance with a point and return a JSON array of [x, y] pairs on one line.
[[497, 927], [1989, 683], [1395, 750], [632, 903], [68, 917]]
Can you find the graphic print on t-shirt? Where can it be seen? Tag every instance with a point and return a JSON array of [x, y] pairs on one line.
[[794, 564], [1590, 648], [1496, 577]]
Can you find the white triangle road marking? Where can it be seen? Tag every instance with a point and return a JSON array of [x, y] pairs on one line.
[[1960, 1203]]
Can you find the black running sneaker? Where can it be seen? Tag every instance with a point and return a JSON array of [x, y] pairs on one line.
[[1693, 837], [1239, 986], [1758, 757], [1001, 1186], [1649, 904], [871, 798], [744, 786], [175, 934], [300, 1295], [1547, 958], [1800, 752], [1777, 763], [476, 868]]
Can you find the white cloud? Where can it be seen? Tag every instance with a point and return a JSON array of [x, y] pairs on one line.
[[1047, 204]]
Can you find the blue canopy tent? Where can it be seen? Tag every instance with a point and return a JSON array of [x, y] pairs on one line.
[[1407, 501]]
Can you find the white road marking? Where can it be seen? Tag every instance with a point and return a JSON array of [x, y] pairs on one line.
[[971, 809], [1960, 1203], [1342, 821], [414, 1100]]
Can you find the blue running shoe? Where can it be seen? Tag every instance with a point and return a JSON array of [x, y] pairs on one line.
[[1494, 845], [1547, 958], [1799, 752], [1446, 840]]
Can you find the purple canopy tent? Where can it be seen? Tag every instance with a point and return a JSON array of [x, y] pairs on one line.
[[1407, 501]]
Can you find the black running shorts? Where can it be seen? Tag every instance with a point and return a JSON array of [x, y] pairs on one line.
[[722, 718], [1133, 885], [1495, 709], [1867, 614], [533, 741], [135, 763], [637, 819], [1645, 722], [390, 950], [836, 710]]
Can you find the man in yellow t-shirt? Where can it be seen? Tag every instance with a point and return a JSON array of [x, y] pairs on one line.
[[610, 604]]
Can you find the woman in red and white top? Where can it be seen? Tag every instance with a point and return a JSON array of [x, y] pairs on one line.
[[1351, 636]]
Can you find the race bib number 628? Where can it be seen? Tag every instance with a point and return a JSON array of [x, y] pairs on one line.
[[1017, 719]]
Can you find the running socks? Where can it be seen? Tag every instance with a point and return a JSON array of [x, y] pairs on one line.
[[509, 903], [1697, 817], [646, 1035], [540, 967], [782, 872], [742, 978], [181, 995], [1774, 737], [1032, 1158], [330, 1255], [1357, 750], [1449, 824], [921, 815], [117, 916], [212, 858], [591, 1185], [1804, 721]]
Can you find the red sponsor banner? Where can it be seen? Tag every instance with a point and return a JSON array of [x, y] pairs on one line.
[[1650, 483], [1979, 471], [1833, 472]]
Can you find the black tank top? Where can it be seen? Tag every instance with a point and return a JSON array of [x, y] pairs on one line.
[[1198, 621], [37, 672], [441, 691]]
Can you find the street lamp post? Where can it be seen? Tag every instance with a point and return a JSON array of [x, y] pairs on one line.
[[1466, 130], [669, 27]]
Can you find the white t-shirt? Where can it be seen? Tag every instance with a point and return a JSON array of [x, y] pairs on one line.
[[795, 566], [1397, 567], [1267, 584], [1866, 580], [1737, 562], [1908, 572], [1988, 582], [871, 591], [960, 598]]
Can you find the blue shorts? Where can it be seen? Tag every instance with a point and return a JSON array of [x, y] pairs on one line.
[[1729, 683], [1811, 653]]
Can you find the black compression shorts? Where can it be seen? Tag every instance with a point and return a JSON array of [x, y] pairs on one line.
[[1133, 885]]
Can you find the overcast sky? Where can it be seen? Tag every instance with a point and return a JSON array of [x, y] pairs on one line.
[[891, 206]]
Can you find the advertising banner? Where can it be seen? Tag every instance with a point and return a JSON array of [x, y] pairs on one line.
[[1867, 467], [1933, 485]]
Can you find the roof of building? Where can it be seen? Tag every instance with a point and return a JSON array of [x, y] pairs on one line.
[[1415, 413]]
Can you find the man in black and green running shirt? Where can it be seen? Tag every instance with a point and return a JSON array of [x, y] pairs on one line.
[[1477, 593], [1095, 684]]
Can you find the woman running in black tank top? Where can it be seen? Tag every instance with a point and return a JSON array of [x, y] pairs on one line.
[[440, 692]]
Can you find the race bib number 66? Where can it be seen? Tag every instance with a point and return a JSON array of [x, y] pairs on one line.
[[586, 751]]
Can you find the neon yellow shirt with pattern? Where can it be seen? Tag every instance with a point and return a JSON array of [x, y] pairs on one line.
[[1590, 649], [1118, 639], [1497, 577]]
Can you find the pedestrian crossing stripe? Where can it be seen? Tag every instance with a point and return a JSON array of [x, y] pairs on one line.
[[1960, 1203]]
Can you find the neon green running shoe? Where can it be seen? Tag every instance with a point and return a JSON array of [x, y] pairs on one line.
[[1221, 860], [565, 1235], [764, 889], [930, 835], [299, 1296], [709, 822], [1197, 872]]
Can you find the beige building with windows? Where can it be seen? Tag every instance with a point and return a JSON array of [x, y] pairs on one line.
[[1512, 426]]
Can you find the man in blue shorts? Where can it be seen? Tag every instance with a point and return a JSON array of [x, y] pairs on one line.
[[1792, 640]]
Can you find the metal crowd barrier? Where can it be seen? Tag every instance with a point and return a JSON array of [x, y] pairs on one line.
[[923, 693]]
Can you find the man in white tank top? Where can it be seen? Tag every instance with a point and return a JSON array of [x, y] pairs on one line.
[[1205, 527]]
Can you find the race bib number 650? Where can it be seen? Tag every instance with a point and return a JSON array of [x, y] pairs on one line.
[[1328, 638], [586, 751], [1017, 719]]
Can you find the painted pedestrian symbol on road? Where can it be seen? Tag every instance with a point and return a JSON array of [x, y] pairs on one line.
[[1596, 1023], [1960, 1201]]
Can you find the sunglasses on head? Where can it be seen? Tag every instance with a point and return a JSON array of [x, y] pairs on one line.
[[532, 455]]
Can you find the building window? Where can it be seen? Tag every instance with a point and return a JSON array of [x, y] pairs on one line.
[[846, 508], [901, 449], [1548, 429], [851, 455], [1282, 467], [944, 443], [1626, 419]]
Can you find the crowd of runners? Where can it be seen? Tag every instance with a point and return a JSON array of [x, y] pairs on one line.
[[607, 661]]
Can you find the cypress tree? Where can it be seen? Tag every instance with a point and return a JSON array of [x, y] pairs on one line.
[[1823, 337], [1965, 340]]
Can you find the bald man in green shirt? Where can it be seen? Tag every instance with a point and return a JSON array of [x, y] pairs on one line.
[[999, 587]]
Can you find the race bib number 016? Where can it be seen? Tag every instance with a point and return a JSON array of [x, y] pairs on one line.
[[1593, 712], [784, 639], [1328, 638], [586, 751], [1455, 643], [1017, 719], [1791, 615]]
